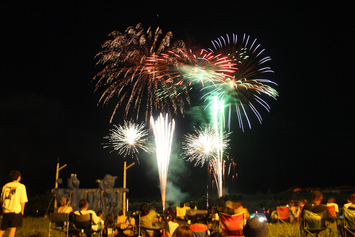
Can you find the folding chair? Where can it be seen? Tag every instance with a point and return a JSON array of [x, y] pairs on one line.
[[82, 224], [331, 211], [200, 230], [232, 225], [314, 223], [349, 222], [332, 216], [191, 215], [283, 214], [60, 218], [108, 231]]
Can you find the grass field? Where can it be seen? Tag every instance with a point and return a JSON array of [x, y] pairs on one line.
[[38, 227]]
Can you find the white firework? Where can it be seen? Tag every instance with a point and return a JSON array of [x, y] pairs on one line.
[[128, 139]]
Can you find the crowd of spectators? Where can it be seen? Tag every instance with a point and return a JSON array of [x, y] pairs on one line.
[[174, 223]]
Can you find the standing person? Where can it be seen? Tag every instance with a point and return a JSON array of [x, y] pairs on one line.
[[13, 200]]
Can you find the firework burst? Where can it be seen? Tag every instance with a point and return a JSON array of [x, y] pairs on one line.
[[132, 74], [200, 67], [128, 139], [247, 86], [203, 146]]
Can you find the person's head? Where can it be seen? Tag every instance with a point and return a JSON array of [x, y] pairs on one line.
[[169, 210], [183, 231], [237, 204], [169, 217], [15, 175], [145, 208], [99, 213], [182, 204], [109, 220], [229, 204], [255, 228], [331, 200], [317, 197], [283, 203], [192, 205], [352, 198], [83, 204], [120, 212], [64, 201]]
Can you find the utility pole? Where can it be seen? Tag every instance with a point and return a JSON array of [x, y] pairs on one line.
[[124, 186], [56, 183]]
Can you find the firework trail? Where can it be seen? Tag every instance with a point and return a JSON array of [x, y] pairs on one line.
[[128, 138], [209, 144], [163, 133], [247, 86], [132, 74], [218, 125]]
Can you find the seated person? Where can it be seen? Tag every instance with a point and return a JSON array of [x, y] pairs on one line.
[[316, 205], [181, 211], [64, 205], [121, 219], [192, 205], [147, 219], [295, 210], [228, 208], [170, 225], [109, 225], [238, 208], [64, 208], [351, 202], [83, 206], [99, 226], [331, 202], [132, 220], [275, 214]]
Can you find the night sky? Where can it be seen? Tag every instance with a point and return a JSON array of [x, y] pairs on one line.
[[49, 108]]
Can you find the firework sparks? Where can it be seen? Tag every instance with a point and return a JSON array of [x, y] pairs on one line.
[[209, 144], [131, 74], [203, 146], [218, 125], [163, 133], [246, 88], [128, 139]]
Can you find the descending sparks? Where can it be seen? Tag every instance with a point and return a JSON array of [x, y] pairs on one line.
[[130, 75], [245, 90], [128, 139], [163, 133]]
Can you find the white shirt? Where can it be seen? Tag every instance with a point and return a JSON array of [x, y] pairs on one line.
[[95, 218], [12, 195]]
